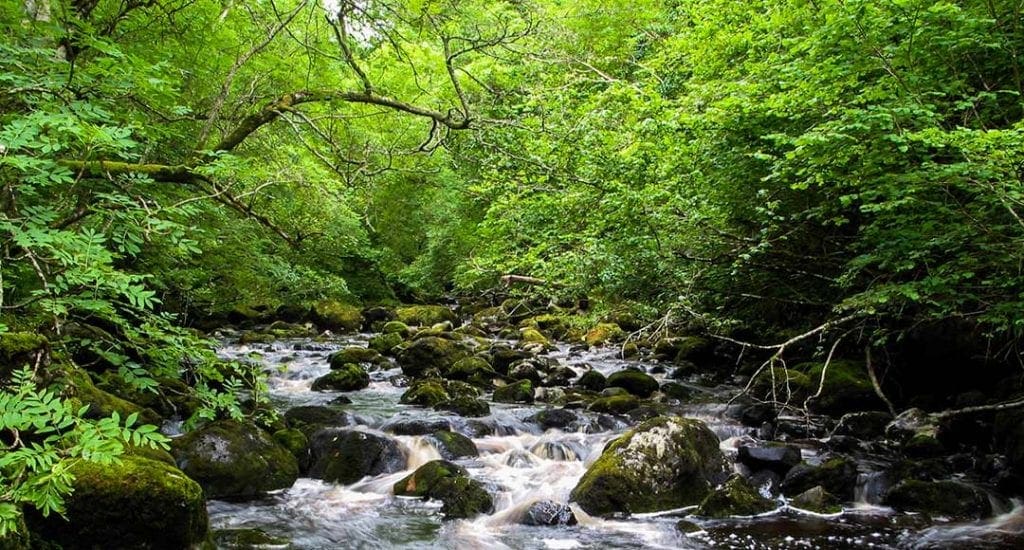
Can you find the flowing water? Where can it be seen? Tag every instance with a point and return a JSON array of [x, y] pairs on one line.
[[520, 464]]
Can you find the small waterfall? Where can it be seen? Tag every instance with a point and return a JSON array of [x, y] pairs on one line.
[[555, 450], [871, 487], [420, 450]]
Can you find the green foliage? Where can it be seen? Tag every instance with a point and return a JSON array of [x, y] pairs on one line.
[[43, 437]]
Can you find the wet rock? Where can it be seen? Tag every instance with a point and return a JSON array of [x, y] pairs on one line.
[[688, 527], [736, 497], [354, 354], [837, 475], [677, 391], [377, 316], [555, 450], [766, 480], [863, 425], [337, 316], [422, 482], [941, 498], [616, 404], [559, 376], [347, 377], [306, 416], [502, 359], [525, 369], [592, 380], [232, 459], [385, 343], [549, 419], [453, 445], [520, 391], [79, 387], [248, 539], [465, 406], [416, 426], [635, 382], [910, 423], [462, 497], [425, 315], [847, 387], [547, 513], [346, 456], [550, 395], [604, 333], [474, 370], [817, 499], [778, 458], [684, 370], [425, 393], [137, 503], [430, 353], [533, 336], [294, 440], [664, 463]]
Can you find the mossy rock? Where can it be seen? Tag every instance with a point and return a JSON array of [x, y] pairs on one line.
[[171, 398], [520, 391], [422, 482], [137, 503], [604, 333], [151, 453], [430, 353], [337, 316], [663, 463], [354, 354], [463, 497], [736, 497], [385, 343], [790, 383], [847, 387], [425, 315], [693, 348], [635, 382], [346, 456], [19, 349], [80, 388], [465, 406], [817, 499], [941, 498], [426, 393], [454, 445], [838, 475], [294, 440], [474, 370], [306, 416], [553, 324], [614, 404], [396, 327], [248, 539], [233, 459], [592, 380], [347, 377], [533, 336], [630, 350]]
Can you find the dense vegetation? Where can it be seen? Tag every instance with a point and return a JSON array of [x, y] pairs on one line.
[[760, 168]]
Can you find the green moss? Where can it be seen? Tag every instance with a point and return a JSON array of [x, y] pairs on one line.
[[347, 377], [396, 327], [294, 440], [615, 404], [425, 315], [692, 348], [385, 343], [247, 539], [592, 380], [533, 336], [945, 498], [79, 386], [465, 406], [353, 354], [18, 349], [430, 353], [422, 482], [734, 498], [604, 333], [337, 316], [847, 387], [138, 503], [426, 393], [817, 499], [635, 382], [17, 539], [462, 497], [454, 445], [474, 370], [553, 324], [520, 391]]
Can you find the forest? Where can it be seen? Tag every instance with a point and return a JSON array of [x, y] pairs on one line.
[[511, 274]]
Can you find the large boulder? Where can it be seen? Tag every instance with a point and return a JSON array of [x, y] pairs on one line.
[[604, 333], [354, 354], [465, 406], [346, 456], [941, 498], [305, 417], [735, 497], [347, 377], [463, 497], [592, 380], [664, 463], [838, 475], [635, 382], [520, 391], [847, 387], [422, 482], [452, 445], [549, 419], [430, 353], [337, 316], [234, 460], [425, 315], [137, 503]]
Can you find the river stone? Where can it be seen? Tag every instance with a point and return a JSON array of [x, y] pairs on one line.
[[863, 425], [305, 416], [430, 353], [416, 426], [426, 393], [664, 463], [520, 391], [525, 369], [777, 458], [546, 513], [348, 377], [615, 404], [635, 382], [453, 445], [422, 482], [942, 498], [137, 503], [837, 475], [425, 315], [385, 343], [248, 539], [235, 460], [353, 354], [337, 316], [474, 370], [736, 497], [377, 316], [462, 497], [592, 380], [346, 456], [549, 419], [817, 499], [465, 406]]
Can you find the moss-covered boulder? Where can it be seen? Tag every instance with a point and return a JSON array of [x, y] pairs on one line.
[[553, 324], [346, 456], [385, 343], [838, 475], [452, 445], [235, 460], [396, 327], [592, 380], [347, 377], [549, 419], [422, 482], [604, 333], [138, 503], [248, 539], [425, 393], [664, 463], [817, 499], [78, 386], [533, 336], [354, 354], [520, 391], [430, 354], [465, 406], [425, 316], [635, 382], [474, 370], [614, 404], [171, 398], [294, 440], [20, 349], [337, 316], [545, 513], [463, 497], [307, 416], [847, 387], [735, 497], [940, 498]]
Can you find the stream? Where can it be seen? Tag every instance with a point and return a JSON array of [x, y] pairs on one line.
[[520, 464]]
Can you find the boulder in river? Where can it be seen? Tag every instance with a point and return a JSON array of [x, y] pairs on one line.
[[735, 497], [385, 343], [463, 497], [604, 333], [633, 381], [520, 391], [838, 475], [453, 445], [346, 456], [592, 380], [941, 498], [305, 417], [615, 404], [465, 406], [353, 354], [553, 418], [337, 316], [778, 458], [664, 463], [544, 513], [817, 499], [136, 503], [431, 353], [416, 426], [425, 315], [422, 482], [233, 459], [347, 377]]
